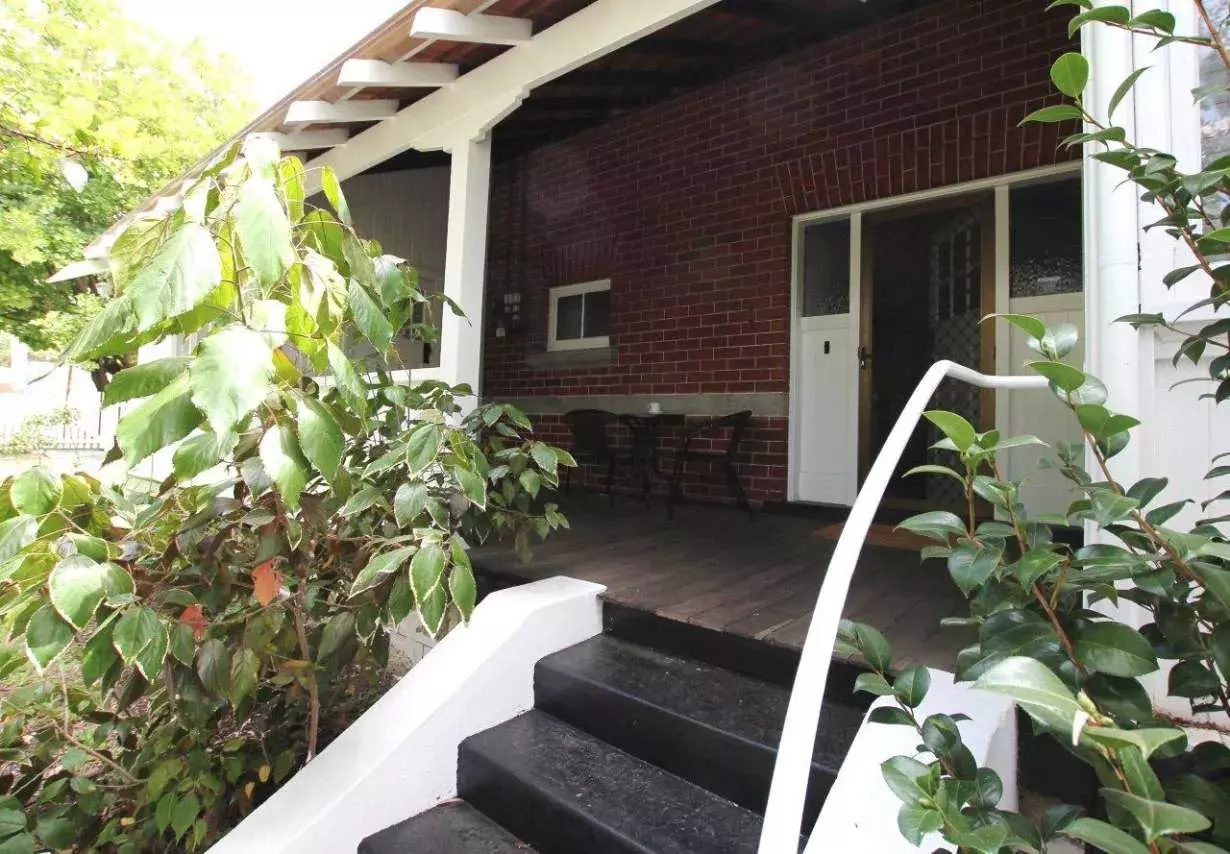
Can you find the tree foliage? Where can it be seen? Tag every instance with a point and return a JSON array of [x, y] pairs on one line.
[[82, 85], [178, 653], [1042, 639]]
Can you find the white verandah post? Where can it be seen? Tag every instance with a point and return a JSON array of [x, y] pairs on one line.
[[465, 262]]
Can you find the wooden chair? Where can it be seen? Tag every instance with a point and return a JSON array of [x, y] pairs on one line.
[[737, 424], [591, 443]]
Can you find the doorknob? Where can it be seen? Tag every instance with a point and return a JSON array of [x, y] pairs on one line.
[[864, 358]]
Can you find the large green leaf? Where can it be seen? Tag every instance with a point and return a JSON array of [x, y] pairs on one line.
[[200, 453], [422, 447], [135, 631], [936, 524], [20, 843], [231, 376], [1105, 836], [320, 436], [280, 454], [111, 332], [1157, 818], [1146, 740], [408, 503], [461, 584], [426, 570], [143, 380], [182, 273], [213, 665], [349, 383], [245, 669], [77, 586], [379, 567], [1114, 648], [1070, 74], [165, 418], [1035, 689], [263, 229], [99, 656], [955, 427], [47, 635], [370, 318], [16, 534], [35, 492]]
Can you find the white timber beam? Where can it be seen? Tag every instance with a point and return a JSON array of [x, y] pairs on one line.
[[465, 263], [451, 25], [324, 112], [360, 73], [310, 140], [487, 93]]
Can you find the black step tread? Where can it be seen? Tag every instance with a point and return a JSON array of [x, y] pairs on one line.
[[566, 792], [451, 828], [742, 706]]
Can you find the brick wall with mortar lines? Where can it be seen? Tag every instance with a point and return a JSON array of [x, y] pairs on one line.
[[687, 206]]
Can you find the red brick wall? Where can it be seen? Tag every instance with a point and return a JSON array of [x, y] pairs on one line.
[[687, 206]]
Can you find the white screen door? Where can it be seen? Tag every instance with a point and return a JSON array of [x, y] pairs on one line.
[[826, 389]]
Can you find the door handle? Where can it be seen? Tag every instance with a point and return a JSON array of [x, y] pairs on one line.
[[864, 358]]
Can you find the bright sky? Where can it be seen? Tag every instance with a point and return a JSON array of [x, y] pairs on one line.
[[278, 42]]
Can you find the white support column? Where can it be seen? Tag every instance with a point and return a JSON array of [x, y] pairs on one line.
[[465, 261], [1112, 246]]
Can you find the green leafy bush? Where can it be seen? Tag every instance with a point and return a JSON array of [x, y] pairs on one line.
[[172, 654], [1043, 640]]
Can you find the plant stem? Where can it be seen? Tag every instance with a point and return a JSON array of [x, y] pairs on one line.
[[1214, 34]]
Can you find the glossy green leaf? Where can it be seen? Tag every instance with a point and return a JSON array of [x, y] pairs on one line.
[[426, 570], [911, 685], [1156, 818], [461, 584], [1070, 74], [1035, 689], [370, 318], [213, 665], [409, 503], [872, 683], [401, 599], [176, 279], [1063, 377], [98, 656], [380, 567], [16, 534], [231, 376], [198, 454], [939, 525], [1114, 648], [904, 776], [77, 586], [134, 631], [1145, 740], [280, 454], [474, 486], [47, 635], [1106, 837], [320, 437], [338, 633], [143, 380], [916, 821], [263, 229], [955, 427], [161, 420], [20, 843], [422, 447], [36, 491]]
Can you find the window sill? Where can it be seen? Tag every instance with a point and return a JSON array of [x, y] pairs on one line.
[[567, 360]]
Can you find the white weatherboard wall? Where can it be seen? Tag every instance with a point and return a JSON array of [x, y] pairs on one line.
[[400, 758], [860, 812]]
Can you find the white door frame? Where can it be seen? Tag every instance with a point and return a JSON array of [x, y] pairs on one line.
[[1000, 185]]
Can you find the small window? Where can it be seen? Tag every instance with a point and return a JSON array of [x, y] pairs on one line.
[[580, 316]]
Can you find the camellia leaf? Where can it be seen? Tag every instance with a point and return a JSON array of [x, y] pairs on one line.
[[1070, 74], [135, 630], [903, 775], [263, 228], [47, 635], [1114, 648], [916, 821], [16, 534], [320, 436], [176, 279], [1035, 689], [936, 524], [165, 418], [426, 570], [1147, 740], [143, 380], [280, 454], [955, 427], [36, 491], [231, 376], [911, 685], [378, 568], [1156, 818], [408, 503], [77, 586]]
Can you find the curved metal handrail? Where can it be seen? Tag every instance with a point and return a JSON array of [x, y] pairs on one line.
[[783, 820]]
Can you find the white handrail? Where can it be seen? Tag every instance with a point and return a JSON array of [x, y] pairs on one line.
[[783, 820]]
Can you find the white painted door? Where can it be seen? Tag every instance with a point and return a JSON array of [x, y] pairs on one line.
[[825, 409]]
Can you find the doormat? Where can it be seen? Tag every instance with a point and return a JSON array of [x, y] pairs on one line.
[[886, 536]]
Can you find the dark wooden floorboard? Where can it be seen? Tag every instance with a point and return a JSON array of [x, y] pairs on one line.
[[717, 568]]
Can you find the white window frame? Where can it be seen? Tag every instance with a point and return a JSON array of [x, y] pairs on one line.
[[593, 343]]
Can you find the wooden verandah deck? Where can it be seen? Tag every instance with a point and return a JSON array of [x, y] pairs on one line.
[[715, 568]]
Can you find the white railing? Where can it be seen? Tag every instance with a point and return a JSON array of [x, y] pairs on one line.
[[783, 819]]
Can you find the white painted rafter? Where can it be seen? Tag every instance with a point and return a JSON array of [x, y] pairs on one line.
[[324, 112], [451, 25], [310, 140], [360, 73], [483, 96]]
